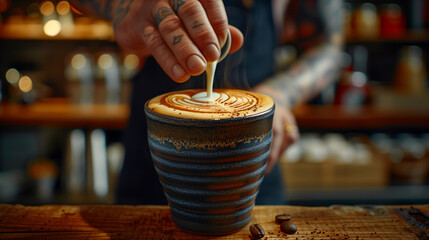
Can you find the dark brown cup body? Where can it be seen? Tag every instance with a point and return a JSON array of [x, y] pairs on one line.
[[210, 170]]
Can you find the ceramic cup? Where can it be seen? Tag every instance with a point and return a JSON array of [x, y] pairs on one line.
[[210, 169]]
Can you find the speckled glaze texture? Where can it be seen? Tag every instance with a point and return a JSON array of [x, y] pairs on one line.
[[210, 170]]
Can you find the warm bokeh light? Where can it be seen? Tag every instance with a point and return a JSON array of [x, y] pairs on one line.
[[105, 61], [52, 27], [25, 84], [78, 61], [12, 76], [4, 5], [131, 61], [63, 7], [47, 8], [359, 79]]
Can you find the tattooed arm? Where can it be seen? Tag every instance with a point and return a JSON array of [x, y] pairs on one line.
[[320, 35], [182, 35], [319, 65]]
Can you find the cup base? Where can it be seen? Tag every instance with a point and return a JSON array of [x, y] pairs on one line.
[[210, 229]]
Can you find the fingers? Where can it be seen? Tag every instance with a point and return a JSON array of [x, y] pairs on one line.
[[177, 39], [281, 141], [285, 133], [237, 39], [217, 17], [275, 146], [184, 35], [195, 20], [164, 56]]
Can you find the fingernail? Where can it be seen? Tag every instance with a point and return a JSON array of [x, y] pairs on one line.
[[211, 52], [196, 64], [178, 71]]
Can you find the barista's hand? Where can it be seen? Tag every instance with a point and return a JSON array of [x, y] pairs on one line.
[[285, 133], [182, 35]]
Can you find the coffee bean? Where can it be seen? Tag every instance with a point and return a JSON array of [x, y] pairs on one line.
[[283, 217], [257, 231], [288, 227]]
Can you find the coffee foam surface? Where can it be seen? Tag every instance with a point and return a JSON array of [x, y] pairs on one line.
[[225, 103]]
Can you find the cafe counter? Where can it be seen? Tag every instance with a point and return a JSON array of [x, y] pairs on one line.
[[154, 222]]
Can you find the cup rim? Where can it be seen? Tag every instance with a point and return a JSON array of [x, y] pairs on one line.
[[250, 118]]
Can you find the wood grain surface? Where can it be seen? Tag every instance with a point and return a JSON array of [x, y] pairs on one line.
[[154, 222]]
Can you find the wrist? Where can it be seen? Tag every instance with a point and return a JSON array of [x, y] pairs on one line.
[[279, 98]]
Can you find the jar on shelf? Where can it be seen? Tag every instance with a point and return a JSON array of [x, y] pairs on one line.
[[392, 21], [410, 74], [366, 22]]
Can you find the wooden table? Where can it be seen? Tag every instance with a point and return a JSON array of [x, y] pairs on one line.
[[154, 222]]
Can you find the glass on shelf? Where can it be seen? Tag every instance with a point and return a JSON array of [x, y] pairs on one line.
[[365, 21], [411, 74], [392, 21]]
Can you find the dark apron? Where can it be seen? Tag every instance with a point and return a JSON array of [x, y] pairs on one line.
[[138, 182]]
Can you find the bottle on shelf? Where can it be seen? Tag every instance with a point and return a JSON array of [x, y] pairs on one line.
[[109, 69], [353, 90], [80, 75], [411, 74], [417, 14], [366, 22], [392, 21]]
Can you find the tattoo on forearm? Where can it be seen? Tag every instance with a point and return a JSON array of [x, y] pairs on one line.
[[121, 11], [307, 77], [177, 39], [177, 4], [197, 24], [161, 14], [288, 91], [318, 68]]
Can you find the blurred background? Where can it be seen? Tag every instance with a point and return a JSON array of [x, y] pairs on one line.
[[65, 86]]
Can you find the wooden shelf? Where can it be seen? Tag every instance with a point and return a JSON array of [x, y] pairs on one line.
[[409, 36], [337, 117], [116, 116], [389, 194], [95, 30], [65, 115]]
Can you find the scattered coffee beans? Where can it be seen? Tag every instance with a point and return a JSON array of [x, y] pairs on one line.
[[257, 231], [283, 217], [288, 227]]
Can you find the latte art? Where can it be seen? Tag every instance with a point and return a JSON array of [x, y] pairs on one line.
[[221, 103], [195, 104]]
